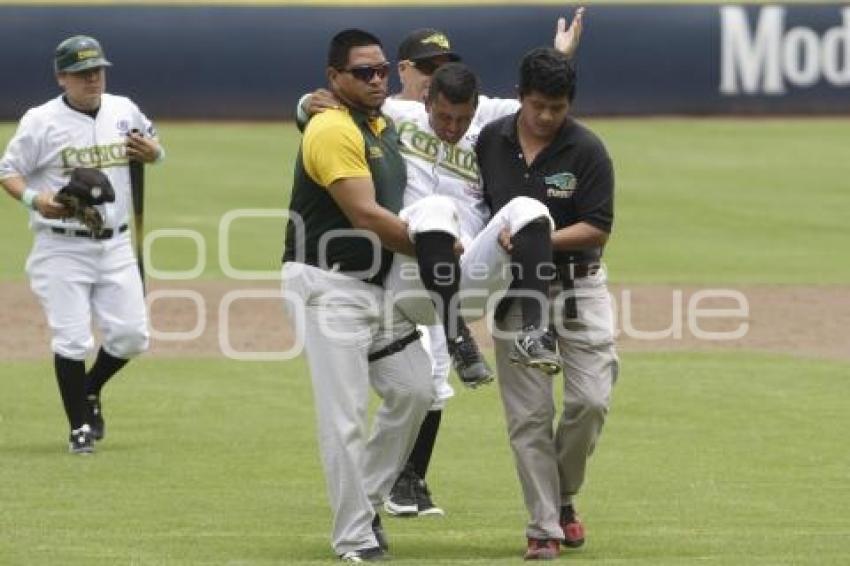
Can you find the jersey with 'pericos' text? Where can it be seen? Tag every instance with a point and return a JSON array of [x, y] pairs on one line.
[[53, 139]]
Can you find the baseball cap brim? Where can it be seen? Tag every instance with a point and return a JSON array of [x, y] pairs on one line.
[[432, 54], [86, 65]]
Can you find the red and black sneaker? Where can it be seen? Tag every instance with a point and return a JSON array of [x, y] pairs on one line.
[[542, 549], [572, 527]]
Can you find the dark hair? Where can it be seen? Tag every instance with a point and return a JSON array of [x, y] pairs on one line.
[[344, 41], [549, 72], [456, 82]]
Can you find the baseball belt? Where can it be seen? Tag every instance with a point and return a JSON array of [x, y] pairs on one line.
[[338, 267], [396, 346], [571, 271], [567, 273], [106, 234]]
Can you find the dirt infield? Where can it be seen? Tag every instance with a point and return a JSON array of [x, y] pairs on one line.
[[806, 321]]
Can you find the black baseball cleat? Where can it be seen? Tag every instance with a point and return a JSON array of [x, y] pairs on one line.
[[410, 496], [424, 503], [403, 500], [468, 362], [380, 535], [98, 426], [81, 440], [373, 554], [534, 348]]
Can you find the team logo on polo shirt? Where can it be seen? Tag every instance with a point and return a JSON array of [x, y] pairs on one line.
[[560, 185], [375, 152]]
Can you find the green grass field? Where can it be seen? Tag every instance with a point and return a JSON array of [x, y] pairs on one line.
[[707, 458]]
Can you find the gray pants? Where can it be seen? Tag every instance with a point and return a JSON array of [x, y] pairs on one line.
[[341, 321], [551, 463]]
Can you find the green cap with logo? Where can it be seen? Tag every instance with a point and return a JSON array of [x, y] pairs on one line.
[[79, 53]]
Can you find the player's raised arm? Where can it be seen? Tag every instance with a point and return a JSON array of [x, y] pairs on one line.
[[567, 38]]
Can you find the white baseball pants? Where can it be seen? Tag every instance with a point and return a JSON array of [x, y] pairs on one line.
[[75, 278], [485, 265]]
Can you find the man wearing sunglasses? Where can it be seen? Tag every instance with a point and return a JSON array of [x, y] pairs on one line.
[[449, 123], [421, 53], [340, 238]]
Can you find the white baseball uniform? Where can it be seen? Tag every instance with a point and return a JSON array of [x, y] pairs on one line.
[[76, 276], [443, 193]]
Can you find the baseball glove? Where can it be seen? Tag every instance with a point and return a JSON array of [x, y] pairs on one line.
[[86, 189]]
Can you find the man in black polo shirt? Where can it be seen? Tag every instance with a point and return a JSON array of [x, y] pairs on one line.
[[541, 152]]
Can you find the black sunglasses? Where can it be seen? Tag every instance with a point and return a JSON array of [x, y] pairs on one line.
[[426, 66], [366, 73]]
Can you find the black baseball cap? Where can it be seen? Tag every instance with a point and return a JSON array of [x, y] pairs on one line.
[[425, 44]]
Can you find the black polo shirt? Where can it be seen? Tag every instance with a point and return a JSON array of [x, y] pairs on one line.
[[573, 176]]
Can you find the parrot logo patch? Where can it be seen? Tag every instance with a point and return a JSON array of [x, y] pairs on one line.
[[438, 39], [123, 126], [560, 185]]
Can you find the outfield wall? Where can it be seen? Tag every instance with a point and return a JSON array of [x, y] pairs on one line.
[[251, 62]]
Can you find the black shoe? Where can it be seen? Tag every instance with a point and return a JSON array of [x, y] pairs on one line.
[[81, 440], [380, 535], [536, 349], [402, 501], [424, 503], [373, 554], [98, 426], [468, 362]]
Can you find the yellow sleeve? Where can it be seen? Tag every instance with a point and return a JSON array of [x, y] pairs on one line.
[[333, 148]]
